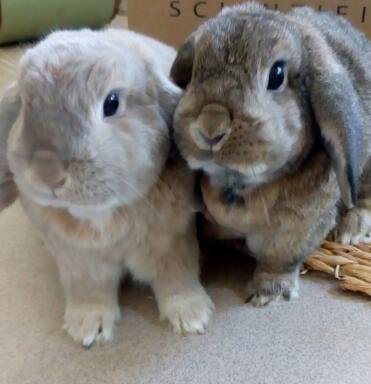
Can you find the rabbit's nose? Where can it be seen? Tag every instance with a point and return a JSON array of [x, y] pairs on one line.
[[212, 128], [48, 169]]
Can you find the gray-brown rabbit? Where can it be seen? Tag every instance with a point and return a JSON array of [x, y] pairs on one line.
[[276, 112]]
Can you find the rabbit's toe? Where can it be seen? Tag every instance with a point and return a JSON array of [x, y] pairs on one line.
[[90, 323], [354, 227], [188, 313], [267, 287]]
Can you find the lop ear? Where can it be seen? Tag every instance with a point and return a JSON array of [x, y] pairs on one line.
[[169, 96], [338, 113], [181, 71], [10, 105]]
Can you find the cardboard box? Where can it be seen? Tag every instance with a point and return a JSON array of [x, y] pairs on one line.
[[173, 20]]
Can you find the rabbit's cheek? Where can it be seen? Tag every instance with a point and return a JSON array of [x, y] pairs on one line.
[[244, 147]]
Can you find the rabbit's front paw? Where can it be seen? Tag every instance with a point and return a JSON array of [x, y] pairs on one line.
[[266, 287], [354, 227], [188, 313], [90, 323]]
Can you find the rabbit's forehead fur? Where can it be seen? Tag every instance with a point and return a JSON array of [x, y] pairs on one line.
[[244, 47], [232, 61], [63, 83], [75, 72]]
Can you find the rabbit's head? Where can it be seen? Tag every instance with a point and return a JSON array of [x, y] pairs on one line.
[[93, 114], [260, 89]]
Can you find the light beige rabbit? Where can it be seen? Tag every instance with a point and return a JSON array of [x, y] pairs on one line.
[[277, 113], [90, 159]]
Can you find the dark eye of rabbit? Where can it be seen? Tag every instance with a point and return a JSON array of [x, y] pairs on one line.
[[276, 76], [111, 104]]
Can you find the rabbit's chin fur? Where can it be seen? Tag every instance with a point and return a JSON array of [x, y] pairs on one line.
[[276, 113], [97, 179], [225, 176], [88, 211]]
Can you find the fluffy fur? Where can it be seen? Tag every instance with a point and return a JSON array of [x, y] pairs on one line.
[[282, 166], [102, 191]]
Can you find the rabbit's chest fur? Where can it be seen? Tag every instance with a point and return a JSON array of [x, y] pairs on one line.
[[133, 236], [310, 192]]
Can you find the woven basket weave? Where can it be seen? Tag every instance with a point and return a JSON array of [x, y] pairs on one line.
[[350, 265]]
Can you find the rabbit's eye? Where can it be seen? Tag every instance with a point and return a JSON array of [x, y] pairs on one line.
[[276, 76], [111, 104]]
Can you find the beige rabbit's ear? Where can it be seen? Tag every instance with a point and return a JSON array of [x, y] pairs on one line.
[[169, 96], [9, 109], [338, 112], [182, 69]]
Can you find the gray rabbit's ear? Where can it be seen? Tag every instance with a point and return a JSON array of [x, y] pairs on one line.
[[181, 71], [338, 112], [9, 109]]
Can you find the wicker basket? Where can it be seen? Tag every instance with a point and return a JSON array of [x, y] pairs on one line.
[[350, 265]]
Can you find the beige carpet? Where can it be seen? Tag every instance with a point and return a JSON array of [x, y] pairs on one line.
[[323, 338]]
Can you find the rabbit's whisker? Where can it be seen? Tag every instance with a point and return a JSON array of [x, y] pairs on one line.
[[144, 199]]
